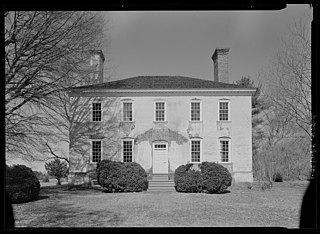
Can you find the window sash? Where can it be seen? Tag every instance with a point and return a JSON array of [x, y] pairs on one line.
[[195, 111], [160, 111], [195, 151], [224, 151], [127, 150], [127, 111], [96, 151], [96, 112], [223, 110]]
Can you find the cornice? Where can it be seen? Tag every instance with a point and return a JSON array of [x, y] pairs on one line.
[[153, 92]]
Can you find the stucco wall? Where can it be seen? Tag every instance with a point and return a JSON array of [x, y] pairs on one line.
[[178, 130]]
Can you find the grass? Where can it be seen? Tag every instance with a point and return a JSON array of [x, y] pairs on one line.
[[59, 207]]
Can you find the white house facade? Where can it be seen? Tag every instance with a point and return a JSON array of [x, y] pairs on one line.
[[162, 122]]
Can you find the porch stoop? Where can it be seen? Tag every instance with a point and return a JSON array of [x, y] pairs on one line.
[[161, 182]]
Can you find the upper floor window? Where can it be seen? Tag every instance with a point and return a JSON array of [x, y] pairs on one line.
[[160, 111], [96, 112], [195, 150], [223, 110], [127, 150], [195, 111], [127, 111], [96, 151], [224, 150]]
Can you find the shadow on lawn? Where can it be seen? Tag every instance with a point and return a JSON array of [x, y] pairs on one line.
[[41, 197]]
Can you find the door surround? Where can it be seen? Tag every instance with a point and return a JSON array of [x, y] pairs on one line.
[[160, 157]]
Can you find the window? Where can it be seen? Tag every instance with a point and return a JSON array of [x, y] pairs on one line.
[[223, 110], [195, 111], [195, 150], [224, 150], [127, 111], [160, 111], [96, 112], [160, 146], [127, 150], [96, 151]]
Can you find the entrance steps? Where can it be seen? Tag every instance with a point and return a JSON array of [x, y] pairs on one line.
[[161, 182]]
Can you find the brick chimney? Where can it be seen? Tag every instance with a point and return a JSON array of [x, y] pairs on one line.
[[220, 64], [96, 61]]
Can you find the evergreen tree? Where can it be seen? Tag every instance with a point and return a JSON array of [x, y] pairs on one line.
[[57, 168]]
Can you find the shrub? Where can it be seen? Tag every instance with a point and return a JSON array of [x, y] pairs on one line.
[[211, 178], [121, 177], [57, 168], [187, 180], [21, 184], [215, 178], [277, 177]]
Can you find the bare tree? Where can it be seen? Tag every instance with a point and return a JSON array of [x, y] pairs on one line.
[[289, 78], [45, 53]]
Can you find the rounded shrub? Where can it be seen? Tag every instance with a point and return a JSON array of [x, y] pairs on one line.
[[210, 178], [22, 185], [215, 177], [116, 176], [187, 180]]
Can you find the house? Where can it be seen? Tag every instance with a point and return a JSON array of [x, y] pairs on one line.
[[162, 122]]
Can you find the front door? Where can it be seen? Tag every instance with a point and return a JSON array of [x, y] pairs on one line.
[[160, 158]]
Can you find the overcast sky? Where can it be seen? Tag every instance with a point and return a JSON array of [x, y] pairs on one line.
[[182, 42]]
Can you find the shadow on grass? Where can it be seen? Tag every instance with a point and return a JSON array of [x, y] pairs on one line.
[[41, 197], [224, 192]]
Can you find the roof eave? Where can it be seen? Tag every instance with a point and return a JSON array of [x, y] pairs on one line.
[[172, 92]]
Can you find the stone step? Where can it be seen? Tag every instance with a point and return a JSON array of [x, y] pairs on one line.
[[161, 188], [160, 177], [161, 183]]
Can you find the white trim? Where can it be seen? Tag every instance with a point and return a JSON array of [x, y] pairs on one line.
[[133, 148], [122, 103], [195, 101], [165, 110], [229, 149], [91, 157], [190, 152], [224, 100]]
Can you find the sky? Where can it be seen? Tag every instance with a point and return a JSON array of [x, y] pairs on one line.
[[182, 42]]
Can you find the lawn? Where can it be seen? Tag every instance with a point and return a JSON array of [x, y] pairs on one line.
[[59, 207]]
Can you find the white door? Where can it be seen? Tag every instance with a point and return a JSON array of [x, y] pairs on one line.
[[160, 158]]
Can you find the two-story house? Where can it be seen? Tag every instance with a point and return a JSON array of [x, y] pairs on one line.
[[162, 122]]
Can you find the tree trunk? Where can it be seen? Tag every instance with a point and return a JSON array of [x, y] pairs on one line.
[[58, 181]]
